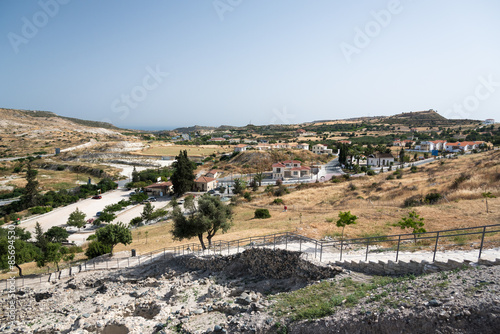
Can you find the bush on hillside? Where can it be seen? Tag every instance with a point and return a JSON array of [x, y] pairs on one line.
[[262, 213]]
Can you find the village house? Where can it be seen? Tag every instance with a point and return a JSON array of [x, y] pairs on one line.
[[159, 189], [321, 149], [380, 159], [403, 143], [463, 146], [290, 169], [213, 173], [205, 183], [217, 139], [347, 142], [241, 147]]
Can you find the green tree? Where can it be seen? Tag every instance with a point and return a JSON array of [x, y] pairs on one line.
[[30, 197], [189, 204], [53, 253], [183, 176], [138, 197], [346, 218], [239, 186], [258, 177], [114, 234], [211, 216], [106, 217], [56, 234], [147, 212], [487, 195], [413, 221], [76, 219], [135, 176], [96, 249], [40, 239]]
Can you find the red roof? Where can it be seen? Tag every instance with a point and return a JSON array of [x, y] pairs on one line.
[[291, 162], [159, 185], [204, 179], [278, 164]]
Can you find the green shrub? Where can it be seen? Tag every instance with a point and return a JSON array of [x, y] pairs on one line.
[[432, 198], [97, 248], [247, 196], [413, 169], [40, 210], [370, 172], [91, 237], [262, 213], [278, 201]]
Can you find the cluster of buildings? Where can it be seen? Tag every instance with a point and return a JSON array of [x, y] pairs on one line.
[[439, 145]]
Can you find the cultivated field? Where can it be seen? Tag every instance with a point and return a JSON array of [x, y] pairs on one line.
[[192, 151]]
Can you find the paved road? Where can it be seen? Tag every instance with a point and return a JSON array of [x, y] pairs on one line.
[[59, 216]]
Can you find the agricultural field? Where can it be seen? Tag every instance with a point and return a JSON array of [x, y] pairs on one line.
[[192, 151]]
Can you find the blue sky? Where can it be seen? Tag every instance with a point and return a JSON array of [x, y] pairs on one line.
[[166, 64]]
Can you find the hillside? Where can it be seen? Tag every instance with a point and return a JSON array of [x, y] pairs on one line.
[[423, 119], [24, 132]]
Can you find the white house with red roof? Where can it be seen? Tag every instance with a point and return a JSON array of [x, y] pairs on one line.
[[241, 147], [158, 189], [403, 143], [463, 146], [205, 183], [290, 169]]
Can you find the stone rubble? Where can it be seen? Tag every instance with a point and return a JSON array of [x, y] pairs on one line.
[[231, 294]]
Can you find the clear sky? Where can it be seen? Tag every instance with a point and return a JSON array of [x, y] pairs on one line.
[[166, 64]]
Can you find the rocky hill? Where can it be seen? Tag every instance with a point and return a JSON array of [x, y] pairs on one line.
[[24, 132], [258, 291]]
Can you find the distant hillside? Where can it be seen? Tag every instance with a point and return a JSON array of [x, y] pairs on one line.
[[423, 118], [25, 132], [40, 113]]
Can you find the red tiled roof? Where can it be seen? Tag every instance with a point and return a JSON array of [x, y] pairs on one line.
[[291, 162], [278, 164], [204, 179], [159, 185]]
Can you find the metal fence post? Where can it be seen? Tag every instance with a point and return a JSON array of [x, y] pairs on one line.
[[397, 251], [315, 248], [341, 247], [482, 242], [274, 241], [238, 247], [367, 244], [286, 240], [435, 247], [163, 252], [300, 244], [321, 253]]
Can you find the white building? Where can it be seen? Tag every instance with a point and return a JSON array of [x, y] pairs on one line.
[[321, 149], [380, 159]]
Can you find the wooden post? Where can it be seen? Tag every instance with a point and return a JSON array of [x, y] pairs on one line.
[[435, 247], [482, 242], [397, 251]]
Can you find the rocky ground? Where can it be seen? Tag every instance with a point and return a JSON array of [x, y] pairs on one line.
[[237, 294]]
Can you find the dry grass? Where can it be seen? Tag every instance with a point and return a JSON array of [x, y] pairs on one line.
[[192, 151], [54, 180]]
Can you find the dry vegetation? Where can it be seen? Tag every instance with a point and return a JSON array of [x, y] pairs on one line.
[[192, 151], [378, 203]]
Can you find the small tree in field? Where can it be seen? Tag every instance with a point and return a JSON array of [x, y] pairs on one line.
[[346, 218], [486, 196], [211, 216], [114, 234], [76, 219], [413, 221], [147, 212]]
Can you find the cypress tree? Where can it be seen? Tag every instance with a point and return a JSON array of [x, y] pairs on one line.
[[183, 176]]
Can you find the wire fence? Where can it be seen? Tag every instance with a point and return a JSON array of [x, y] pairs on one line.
[[470, 238]]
